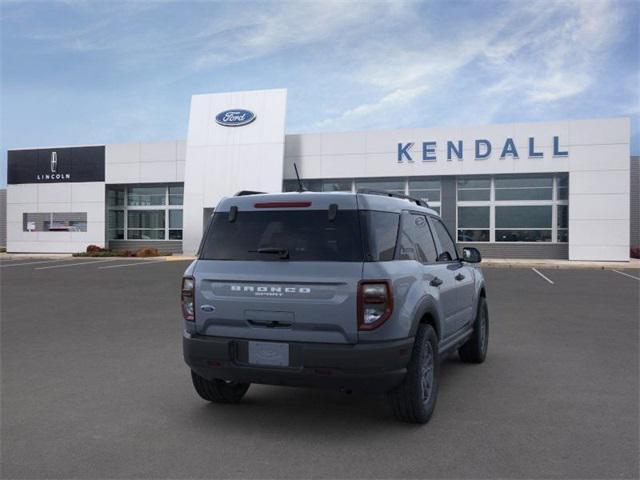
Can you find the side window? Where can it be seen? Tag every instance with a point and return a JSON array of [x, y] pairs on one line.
[[380, 230], [416, 242], [447, 251]]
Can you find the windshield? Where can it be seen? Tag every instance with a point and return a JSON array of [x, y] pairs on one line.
[[288, 235]]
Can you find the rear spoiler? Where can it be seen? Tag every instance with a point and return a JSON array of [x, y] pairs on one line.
[[243, 193]]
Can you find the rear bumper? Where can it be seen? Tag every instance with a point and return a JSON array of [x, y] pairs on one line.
[[370, 367]]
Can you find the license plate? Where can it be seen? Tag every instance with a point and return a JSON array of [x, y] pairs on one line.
[[268, 353]]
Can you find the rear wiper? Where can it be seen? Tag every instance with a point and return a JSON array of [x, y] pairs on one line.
[[283, 252]]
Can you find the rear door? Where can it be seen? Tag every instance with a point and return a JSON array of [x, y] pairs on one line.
[[280, 274], [417, 243], [463, 275]]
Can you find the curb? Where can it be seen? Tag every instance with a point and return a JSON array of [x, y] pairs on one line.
[[561, 266]]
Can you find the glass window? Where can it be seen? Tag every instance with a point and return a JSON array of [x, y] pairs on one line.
[[115, 224], [468, 235], [289, 185], [145, 219], [145, 234], [523, 223], [311, 185], [523, 235], [144, 196], [473, 217], [447, 250], [115, 234], [563, 187], [473, 224], [563, 223], [425, 189], [336, 185], [115, 197], [176, 194], [474, 189], [563, 216], [523, 188], [175, 218], [380, 230], [416, 242], [116, 219], [145, 224], [305, 235], [395, 185], [538, 216], [54, 222]]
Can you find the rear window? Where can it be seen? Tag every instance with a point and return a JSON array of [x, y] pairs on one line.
[[289, 235]]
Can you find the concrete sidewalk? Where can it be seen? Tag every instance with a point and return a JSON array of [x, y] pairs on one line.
[[634, 263]]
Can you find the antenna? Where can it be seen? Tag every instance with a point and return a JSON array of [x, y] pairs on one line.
[[300, 184]]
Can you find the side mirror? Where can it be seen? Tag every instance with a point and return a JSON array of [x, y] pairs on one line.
[[471, 255]]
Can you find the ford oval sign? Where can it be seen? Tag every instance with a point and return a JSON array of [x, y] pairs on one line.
[[235, 118]]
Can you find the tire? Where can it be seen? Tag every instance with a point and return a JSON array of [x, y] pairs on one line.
[[414, 400], [475, 349], [219, 391]]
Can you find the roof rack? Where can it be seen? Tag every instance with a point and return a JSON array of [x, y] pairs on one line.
[[385, 193], [242, 193]]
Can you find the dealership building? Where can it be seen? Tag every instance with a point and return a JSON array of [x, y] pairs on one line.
[[560, 190]]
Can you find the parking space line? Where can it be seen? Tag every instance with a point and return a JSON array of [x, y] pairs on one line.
[[141, 262], [546, 278], [73, 264], [626, 274], [32, 263]]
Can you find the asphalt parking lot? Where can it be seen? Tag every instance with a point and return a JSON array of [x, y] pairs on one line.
[[94, 386]]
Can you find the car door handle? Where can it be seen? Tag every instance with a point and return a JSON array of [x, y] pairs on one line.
[[436, 282], [459, 277]]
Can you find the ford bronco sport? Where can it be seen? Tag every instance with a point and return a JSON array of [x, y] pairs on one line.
[[344, 290]]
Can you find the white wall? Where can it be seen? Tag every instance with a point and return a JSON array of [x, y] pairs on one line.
[[55, 197], [152, 162], [599, 178], [598, 166], [221, 161]]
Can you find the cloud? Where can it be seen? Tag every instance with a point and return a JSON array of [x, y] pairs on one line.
[[538, 52], [286, 25], [391, 101]]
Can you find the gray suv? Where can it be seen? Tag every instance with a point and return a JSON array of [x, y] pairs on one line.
[[353, 291]]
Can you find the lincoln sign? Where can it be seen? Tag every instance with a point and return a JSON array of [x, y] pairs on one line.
[[56, 165]]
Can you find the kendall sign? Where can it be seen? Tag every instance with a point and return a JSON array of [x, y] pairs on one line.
[[482, 150]]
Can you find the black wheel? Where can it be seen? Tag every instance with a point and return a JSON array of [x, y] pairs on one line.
[[415, 398], [219, 391], [475, 349]]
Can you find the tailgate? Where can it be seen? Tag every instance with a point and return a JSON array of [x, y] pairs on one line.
[[280, 301]]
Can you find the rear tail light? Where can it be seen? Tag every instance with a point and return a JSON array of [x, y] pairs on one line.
[[375, 303], [186, 298]]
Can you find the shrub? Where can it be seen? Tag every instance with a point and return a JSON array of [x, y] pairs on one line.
[[102, 253], [95, 251], [147, 252], [635, 251]]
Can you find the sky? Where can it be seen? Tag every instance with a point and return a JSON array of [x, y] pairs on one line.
[[80, 72]]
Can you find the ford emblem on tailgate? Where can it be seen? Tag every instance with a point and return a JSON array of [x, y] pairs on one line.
[[235, 118]]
